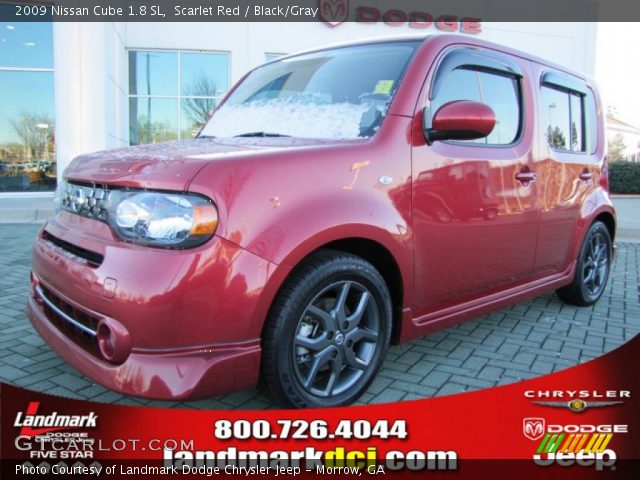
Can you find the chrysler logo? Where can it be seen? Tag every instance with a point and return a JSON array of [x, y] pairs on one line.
[[577, 405]]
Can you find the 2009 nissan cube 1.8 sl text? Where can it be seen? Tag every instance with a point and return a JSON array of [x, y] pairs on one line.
[[337, 201]]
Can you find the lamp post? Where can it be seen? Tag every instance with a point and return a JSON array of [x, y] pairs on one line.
[[44, 129]]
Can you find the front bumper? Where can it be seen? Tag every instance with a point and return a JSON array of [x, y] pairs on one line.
[[192, 318], [169, 375]]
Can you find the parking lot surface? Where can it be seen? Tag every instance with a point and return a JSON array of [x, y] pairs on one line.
[[527, 340]]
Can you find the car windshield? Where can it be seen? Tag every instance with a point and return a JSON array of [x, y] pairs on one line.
[[342, 93]]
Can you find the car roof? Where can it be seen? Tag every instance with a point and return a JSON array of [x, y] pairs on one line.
[[449, 37], [360, 42]]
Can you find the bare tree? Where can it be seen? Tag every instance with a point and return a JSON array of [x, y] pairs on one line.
[[36, 133], [146, 131], [616, 148], [199, 105]]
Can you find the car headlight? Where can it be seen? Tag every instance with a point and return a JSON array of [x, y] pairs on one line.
[[61, 188], [173, 220]]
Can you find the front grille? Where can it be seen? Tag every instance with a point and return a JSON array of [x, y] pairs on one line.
[[77, 325], [92, 259], [90, 201]]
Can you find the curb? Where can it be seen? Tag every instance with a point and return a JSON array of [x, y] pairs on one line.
[[25, 215], [16, 222]]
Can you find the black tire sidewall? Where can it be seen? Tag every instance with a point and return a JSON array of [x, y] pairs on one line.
[[331, 272], [597, 227]]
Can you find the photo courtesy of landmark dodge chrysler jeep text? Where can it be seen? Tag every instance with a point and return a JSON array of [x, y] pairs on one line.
[[337, 201]]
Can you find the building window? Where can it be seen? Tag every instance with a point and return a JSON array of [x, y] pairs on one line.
[[171, 94], [27, 119], [500, 92]]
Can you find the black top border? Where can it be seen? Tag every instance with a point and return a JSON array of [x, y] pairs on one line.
[[444, 14]]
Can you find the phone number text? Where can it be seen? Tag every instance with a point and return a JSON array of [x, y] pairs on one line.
[[303, 429]]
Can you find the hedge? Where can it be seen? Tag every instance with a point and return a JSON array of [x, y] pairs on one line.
[[624, 177]]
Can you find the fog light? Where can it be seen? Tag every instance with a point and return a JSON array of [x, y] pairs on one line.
[[113, 341]]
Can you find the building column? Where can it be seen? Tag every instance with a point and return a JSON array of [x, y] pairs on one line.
[[84, 99]]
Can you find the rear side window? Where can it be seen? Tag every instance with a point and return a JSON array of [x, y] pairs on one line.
[[556, 117], [568, 119], [499, 91], [591, 122], [577, 123]]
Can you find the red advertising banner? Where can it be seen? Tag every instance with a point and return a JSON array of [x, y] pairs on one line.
[[582, 422]]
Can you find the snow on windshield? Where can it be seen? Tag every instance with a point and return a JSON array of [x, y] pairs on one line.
[[286, 116], [343, 93]]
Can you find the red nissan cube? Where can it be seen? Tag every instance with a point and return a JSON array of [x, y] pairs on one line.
[[337, 201]]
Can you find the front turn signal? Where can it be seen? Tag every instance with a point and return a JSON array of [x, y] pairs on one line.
[[205, 220]]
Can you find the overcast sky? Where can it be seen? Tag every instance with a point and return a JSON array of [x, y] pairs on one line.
[[618, 68]]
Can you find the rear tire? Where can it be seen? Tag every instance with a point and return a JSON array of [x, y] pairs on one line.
[[327, 332], [592, 270]]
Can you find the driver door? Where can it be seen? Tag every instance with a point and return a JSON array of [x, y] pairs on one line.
[[474, 218]]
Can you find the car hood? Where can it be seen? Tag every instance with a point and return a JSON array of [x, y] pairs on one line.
[[171, 165]]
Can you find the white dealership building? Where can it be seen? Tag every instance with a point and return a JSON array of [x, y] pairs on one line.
[[69, 88]]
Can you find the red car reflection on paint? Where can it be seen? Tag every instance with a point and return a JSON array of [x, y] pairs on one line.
[[337, 201]]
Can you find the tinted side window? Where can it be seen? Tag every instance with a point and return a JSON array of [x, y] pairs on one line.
[[555, 116], [500, 92], [568, 119], [591, 122], [577, 122]]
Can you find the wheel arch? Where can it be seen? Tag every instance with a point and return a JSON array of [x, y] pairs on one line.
[[382, 259], [374, 252], [605, 214], [573, 292], [597, 206], [609, 220]]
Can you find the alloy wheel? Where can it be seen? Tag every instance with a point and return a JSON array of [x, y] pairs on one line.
[[596, 265], [336, 339]]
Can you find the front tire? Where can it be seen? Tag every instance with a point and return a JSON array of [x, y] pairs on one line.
[[592, 270], [327, 332]]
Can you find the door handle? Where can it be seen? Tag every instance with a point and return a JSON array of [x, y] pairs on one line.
[[586, 176], [525, 177]]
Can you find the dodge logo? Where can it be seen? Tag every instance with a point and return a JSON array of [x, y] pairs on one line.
[[334, 12], [533, 428]]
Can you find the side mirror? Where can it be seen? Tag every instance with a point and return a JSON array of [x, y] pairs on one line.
[[460, 120]]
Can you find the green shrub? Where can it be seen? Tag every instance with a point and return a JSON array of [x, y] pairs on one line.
[[624, 177]]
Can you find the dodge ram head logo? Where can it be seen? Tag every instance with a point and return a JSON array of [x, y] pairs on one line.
[[533, 428], [334, 12]]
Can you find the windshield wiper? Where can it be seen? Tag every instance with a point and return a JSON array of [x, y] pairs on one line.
[[261, 134]]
